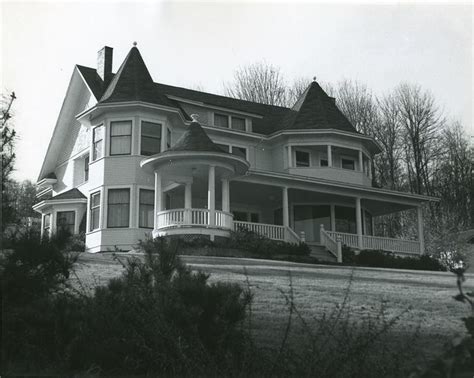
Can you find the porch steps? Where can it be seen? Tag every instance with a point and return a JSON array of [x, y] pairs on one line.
[[321, 253]]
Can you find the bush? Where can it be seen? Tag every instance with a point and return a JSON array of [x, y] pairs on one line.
[[381, 259], [161, 318]]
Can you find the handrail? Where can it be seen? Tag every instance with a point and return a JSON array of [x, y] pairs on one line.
[[194, 217], [293, 237], [328, 242], [271, 231]]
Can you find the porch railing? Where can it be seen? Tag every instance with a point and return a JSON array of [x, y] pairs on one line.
[[194, 217], [271, 231], [330, 243], [409, 247]]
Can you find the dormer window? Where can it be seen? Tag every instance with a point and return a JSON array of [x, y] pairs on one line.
[[302, 158], [238, 123], [348, 164], [221, 120], [121, 138]]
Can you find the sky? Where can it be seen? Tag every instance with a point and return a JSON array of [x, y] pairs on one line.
[[202, 44]]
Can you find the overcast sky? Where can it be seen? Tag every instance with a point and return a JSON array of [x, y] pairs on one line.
[[190, 44]]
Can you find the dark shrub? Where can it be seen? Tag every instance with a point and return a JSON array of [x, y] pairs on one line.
[[161, 318]]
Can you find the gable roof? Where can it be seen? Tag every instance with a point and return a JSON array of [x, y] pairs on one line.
[[316, 110], [70, 194], [133, 82], [195, 139]]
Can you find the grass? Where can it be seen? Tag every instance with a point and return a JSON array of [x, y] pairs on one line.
[[319, 289]]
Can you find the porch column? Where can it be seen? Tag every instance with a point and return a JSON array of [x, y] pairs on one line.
[[286, 212], [361, 161], [329, 155], [421, 237], [211, 195], [359, 223], [333, 217], [289, 156], [158, 198], [225, 195], [188, 202]]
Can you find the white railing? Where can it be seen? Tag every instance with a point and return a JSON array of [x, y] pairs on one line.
[[271, 231], [401, 246], [392, 245], [329, 242], [194, 217], [292, 237]]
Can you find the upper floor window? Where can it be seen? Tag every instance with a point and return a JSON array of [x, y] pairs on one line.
[[221, 120], [348, 163], [302, 158], [146, 208], [46, 224], [98, 142], [94, 211], [65, 221], [86, 168], [238, 123], [168, 138], [121, 138], [118, 208], [223, 147], [323, 162], [239, 151], [151, 138]]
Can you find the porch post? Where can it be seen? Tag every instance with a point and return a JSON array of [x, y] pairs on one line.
[[211, 195], [333, 217], [421, 237], [286, 212], [359, 223], [361, 161], [225, 195], [329, 156], [188, 202], [158, 198]]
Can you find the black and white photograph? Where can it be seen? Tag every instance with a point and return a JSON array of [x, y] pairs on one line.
[[237, 189]]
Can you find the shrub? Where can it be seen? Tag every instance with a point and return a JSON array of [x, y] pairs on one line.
[[381, 259]]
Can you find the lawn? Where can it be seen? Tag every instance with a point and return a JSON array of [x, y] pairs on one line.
[[423, 299]]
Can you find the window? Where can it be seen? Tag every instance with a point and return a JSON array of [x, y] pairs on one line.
[[302, 158], [221, 120], [86, 168], [223, 147], [346, 219], [151, 138], [118, 208], [240, 216], [46, 224], [239, 151], [94, 211], [347, 164], [65, 221], [323, 163], [146, 208], [98, 142], [254, 217], [168, 138], [120, 138], [238, 123]]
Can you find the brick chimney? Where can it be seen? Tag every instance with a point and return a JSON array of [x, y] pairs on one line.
[[104, 64]]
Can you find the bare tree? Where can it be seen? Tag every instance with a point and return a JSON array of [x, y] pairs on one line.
[[296, 90], [258, 82]]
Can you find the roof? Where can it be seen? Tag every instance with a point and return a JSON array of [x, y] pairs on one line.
[[132, 82], [70, 194], [316, 110], [195, 139]]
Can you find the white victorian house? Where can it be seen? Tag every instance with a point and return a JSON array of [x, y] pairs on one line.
[[131, 157]]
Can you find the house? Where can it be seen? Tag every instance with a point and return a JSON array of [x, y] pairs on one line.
[[130, 157]]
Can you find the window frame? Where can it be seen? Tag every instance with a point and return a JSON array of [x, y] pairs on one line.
[[158, 138], [223, 116], [129, 205], [348, 158], [96, 142], [239, 118], [299, 165], [86, 167], [140, 190], [231, 150], [73, 224], [111, 136], [93, 209]]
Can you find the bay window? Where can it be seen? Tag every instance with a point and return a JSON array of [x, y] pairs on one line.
[[118, 208], [239, 151], [151, 138], [65, 221], [221, 120], [98, 142], [146, 208], [46, 224], [94, 211], [238, 123], [120, 138], [302, 158]]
